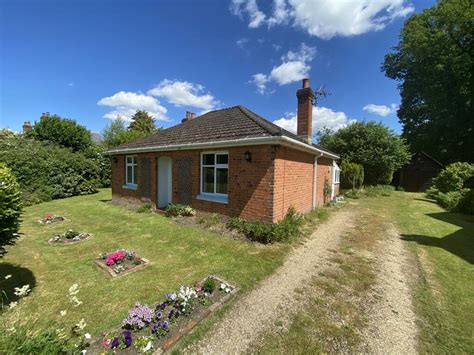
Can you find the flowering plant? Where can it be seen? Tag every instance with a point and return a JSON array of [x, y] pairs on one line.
[[186, 295], [49, 218], [115, 257], [138, 317], [122, 341]]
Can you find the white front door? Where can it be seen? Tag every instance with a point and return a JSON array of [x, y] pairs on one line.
[[164, 181]]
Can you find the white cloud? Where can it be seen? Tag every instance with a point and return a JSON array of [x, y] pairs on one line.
[[380, 110], [125, 104], [326, 18], [294, 67], [322, 117], [250, 7], [183, 93]]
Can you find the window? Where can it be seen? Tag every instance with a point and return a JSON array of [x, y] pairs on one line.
[[337, 175], [214, 173], [131, 171]]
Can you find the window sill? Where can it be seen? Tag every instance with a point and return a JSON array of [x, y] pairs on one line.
[[213, 198], [129, 186]]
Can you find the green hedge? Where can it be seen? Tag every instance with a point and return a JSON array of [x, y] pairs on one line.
[[10, 205], [46, 171]]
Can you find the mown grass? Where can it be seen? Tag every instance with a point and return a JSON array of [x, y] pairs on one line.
[[178, 255], [443, 243]]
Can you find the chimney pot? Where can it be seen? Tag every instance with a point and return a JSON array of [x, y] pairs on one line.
[[189, 116], [305, 83], [27, 126]]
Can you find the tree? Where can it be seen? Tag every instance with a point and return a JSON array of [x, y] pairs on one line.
[[377, 148], [352, 174], [10, 206], [61, 131], [116, 133], [433, 62], [142, 122]]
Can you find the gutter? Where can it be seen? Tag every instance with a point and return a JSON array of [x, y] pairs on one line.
[[315, 181], [279, 140]]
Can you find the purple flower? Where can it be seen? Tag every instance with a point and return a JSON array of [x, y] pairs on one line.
[[159, 315], [170, 315], [138, 317], [115, 342], [127, 335], [154, 327], [164, 326]]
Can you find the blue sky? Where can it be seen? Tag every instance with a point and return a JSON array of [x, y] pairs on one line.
[[91, 60]]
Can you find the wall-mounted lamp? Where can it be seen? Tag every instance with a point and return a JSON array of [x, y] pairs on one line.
[[115, 160], [248, 156]]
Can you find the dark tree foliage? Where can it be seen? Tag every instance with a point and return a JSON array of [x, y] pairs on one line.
[[377, 148], [64, 132], [434, 63], [142, 122]]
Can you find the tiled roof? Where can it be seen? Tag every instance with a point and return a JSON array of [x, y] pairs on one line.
[[230, 123]]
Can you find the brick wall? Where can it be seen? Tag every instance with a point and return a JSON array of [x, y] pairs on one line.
[[250, 190], [277, 178]]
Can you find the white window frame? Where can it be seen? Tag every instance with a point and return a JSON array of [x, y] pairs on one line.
[[222, 197], [134, 164]]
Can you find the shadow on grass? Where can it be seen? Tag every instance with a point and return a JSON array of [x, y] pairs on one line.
[[459, 243], [20, 276], [5, 240], [426, 200]]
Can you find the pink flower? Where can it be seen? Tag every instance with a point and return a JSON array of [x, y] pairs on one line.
[[112, 258]]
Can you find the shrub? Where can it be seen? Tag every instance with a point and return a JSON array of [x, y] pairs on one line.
[[466, 203], [352, 175], [46, 171], [144, 208], [266, 233], [449, 200], [24, 341], [208, 220], [175, 209], [209, 285], [353, 193], [10, 204], [453, 177], [378, 190]]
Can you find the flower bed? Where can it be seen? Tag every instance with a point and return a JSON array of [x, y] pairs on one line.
[[51, 218], [147, 329], [121, 262], [69, 237]]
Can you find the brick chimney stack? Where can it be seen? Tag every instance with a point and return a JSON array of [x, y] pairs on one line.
[[305, 112], [27, 126], [189, 116]]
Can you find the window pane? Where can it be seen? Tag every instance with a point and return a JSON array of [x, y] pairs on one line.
[[222, 159], [208, 159], [129, 175], [208, 180], [135, 174], [129, 160], [221, 183]]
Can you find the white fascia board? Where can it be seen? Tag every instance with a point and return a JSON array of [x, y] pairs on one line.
[[285, 141]]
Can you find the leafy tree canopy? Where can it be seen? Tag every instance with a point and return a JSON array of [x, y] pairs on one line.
[[64, 132], [434, 63], [116, 133], [377, 148], [142, 122]]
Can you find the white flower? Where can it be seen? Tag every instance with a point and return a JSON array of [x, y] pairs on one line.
[[87, 336], [13, 305], [22, 291], [81, 325], [223, 286], [84, 351], [63, 313], [8, 276], [148, 346], [227, 290], [74, 289]]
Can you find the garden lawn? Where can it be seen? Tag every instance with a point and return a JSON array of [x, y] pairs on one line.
[[178, 255], [443, 243]]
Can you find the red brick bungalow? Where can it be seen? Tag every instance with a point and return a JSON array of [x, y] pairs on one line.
[[229, 161]]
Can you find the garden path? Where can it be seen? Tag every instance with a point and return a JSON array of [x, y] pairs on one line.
[[391, 322], [275, 299]]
